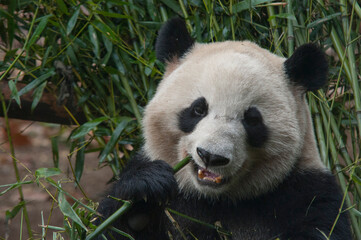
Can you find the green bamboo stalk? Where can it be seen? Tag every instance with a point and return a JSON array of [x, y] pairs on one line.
[[318, 128], [127, 205], [352, 62], [350, 73], [275, 34], [135, 43], [342, 180], [17, 174], [186, 16], [231, 18], [290, 37], [338, 137], [163, 13], [357, 7]]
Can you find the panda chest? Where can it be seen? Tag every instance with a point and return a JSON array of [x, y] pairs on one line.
[[244, 221]]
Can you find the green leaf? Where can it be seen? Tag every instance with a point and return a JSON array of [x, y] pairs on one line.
[[38, 93], [174, 6], [55, 150], [283, 15], [39, 30], [11, 214], [14, 92], [13, 186], [106, 30], [62, 6], [10, 22], [86, 127], [113, 15], [47, 172], [68, 211], [114, 138], [356, 179], [94, 40], [322, 20], [37, 82], [72, 21], [246, 5], [79, 162]]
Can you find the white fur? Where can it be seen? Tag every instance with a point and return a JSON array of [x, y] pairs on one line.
[[231, 76]]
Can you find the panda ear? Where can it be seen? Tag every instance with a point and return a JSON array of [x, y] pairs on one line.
[[173, 41], [307, 67]]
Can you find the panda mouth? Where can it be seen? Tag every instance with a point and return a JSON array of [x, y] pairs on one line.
[[207, 177]]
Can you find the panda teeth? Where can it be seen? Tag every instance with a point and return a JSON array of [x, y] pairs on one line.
[[202, 175]]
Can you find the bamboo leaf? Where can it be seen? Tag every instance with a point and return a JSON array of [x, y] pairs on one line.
[[55, 150], [87, 127], [13, 186], [114, 138], [47, 172], [174, 6], [283, 15], [68, 211], [113, 15], [72, 21], [11, 214], [79, 162], [62, 6], [39, 30], [247, 4], [36, 82], [14, 92], [94, 40], [322, 20], [38, 93]]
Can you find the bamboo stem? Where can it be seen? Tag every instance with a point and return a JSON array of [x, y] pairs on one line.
[[17, 174]]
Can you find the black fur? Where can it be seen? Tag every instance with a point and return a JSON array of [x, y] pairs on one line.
[[257, 131], [173, 40], [307, 67], [189, 118], [301, 207], [150, 184]]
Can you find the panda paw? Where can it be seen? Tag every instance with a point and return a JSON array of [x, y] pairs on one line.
[[149, 181]]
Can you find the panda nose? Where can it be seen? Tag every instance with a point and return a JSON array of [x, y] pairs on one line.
[[211, 159]]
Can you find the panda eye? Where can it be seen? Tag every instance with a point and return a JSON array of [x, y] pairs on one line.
[[200, 111], [200, 108], [252, 117], [189, 117]]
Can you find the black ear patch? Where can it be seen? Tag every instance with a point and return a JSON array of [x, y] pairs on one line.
[[307, 67], [173, 40]]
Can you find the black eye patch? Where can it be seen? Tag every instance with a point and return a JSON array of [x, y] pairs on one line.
[[189, 117], [257, 132]]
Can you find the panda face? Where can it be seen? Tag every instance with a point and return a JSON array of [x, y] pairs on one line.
[[232, 109]]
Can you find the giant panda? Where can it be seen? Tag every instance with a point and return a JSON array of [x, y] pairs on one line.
[[240, 113]]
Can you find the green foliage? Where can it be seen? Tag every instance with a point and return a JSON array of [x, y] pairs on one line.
[[101, 53]]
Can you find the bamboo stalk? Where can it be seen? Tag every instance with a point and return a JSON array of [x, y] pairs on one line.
[[275, 34], [318, 129], [290, 37], [350, 72], [15, 166]]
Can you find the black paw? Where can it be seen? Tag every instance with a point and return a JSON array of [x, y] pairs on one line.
[[151, 181]]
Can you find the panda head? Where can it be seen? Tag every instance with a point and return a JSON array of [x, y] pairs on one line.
[[238, 110]]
